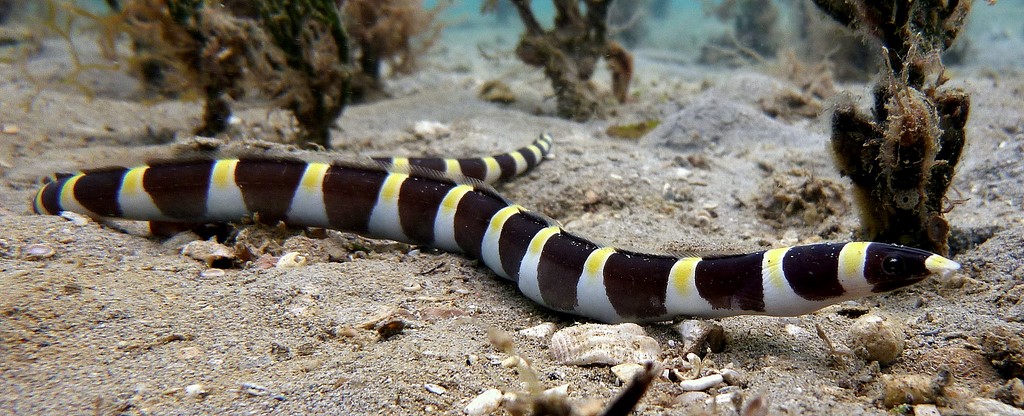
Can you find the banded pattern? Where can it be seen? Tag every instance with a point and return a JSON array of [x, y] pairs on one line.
[[489, 169], [548, 264]]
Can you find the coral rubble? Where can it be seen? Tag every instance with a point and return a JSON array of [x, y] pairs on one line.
[[902, 156], [388, 30], [569, 53]]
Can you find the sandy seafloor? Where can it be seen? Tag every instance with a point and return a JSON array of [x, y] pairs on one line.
[[116, 323]]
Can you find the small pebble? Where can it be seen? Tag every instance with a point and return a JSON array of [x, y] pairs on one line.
[[1011, 393], [196, 391], [265, 261], [627, 371], [430, 129], [874, 338], [485, 403], [926, 410], [983, 406], [291, 260], [390, 328], [728, 400], [702, 383], [603, 344], [908, 389], [435, 388], [511, 362], [497, 92], [38, 251], [188, 353], [1004, 347], [796, 331], [732, 377], [412, 288]]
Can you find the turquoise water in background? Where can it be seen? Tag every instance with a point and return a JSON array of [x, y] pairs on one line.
[[996, 32], [683, 26]]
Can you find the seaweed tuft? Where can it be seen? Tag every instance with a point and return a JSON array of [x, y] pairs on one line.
[[292, 51], [394, 31], [317, 77]]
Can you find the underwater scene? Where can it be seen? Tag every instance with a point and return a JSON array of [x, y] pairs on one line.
[[523, 207]]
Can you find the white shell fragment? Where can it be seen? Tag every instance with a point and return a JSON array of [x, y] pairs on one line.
[[208, 251], [484, 404], [540, 331], [254, 389], [75, 218], [435, 388], [702, 383], [291, 260], [212, 273], [603, 344], [196, 391], [561, 390]]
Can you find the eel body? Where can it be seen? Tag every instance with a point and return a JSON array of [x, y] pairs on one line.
[[557, 269]]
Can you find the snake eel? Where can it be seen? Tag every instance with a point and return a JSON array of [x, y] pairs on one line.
[[428, 201]]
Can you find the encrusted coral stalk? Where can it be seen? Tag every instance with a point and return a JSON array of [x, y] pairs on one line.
[[569, 53], [902, 157]]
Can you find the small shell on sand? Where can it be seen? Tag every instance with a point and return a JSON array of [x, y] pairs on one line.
[[484, 404], [38, 251], [212, 273], [291, 260], [603, 344]]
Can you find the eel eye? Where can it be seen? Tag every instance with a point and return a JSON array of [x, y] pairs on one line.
[[893, 265]]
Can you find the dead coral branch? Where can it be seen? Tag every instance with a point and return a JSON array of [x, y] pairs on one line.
[[569, 53]]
